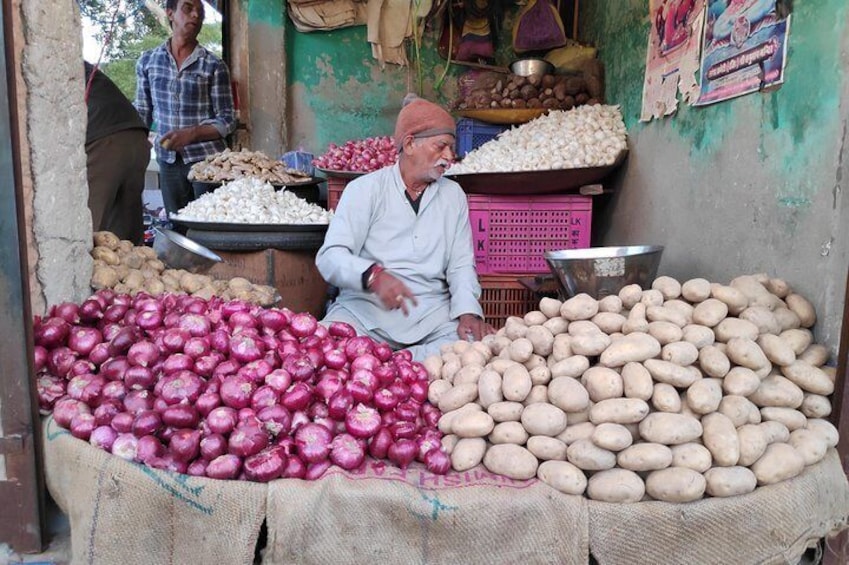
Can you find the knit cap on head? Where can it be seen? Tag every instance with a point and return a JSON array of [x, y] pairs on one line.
[[421, 118]]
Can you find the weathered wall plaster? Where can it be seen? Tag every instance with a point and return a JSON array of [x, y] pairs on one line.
[[754, 184]]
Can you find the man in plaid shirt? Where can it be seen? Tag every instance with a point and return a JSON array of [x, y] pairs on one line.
[[185, 90]]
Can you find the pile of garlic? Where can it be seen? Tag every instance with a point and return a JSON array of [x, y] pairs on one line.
[[251, 201], [587, 136]]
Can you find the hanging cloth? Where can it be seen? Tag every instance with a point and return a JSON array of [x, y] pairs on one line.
[[389, 23], [538, 27]]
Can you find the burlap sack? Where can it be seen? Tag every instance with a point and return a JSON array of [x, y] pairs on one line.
[[774, 524], [385, 515], [120, 512]]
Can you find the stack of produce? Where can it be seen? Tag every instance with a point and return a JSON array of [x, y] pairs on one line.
[[589, 136], [252, 201], [128, 269], [359, 155], [228, 390], [231, 165], [671, 393], [554, 92]]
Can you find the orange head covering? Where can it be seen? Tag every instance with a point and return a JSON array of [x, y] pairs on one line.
[[420, 118]]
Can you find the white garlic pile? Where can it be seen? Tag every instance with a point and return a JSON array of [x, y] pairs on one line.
[[251, 201], [586, 136]]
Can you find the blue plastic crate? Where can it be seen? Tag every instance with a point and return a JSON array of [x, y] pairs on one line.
[[471, 134]]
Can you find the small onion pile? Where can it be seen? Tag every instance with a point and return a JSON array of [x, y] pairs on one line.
[[229, 390], [359, 156]]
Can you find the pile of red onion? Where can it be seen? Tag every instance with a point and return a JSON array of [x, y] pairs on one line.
[[360, 155], [230, 390]]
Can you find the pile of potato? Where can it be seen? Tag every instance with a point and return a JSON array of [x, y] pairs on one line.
[[129, 269], [671, 393], [555, 92], [231, 165]]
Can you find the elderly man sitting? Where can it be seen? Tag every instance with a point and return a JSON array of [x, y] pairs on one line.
[[400, 246]]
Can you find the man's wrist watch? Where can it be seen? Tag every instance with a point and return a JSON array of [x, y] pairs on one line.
[[373, 272]]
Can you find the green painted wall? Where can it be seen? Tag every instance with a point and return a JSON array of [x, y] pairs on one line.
[[754, 184]]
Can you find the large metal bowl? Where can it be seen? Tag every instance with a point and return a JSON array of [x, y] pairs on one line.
[[602, 271], [179, 252], [530, 66]]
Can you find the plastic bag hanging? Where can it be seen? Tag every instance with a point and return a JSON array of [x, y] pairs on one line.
[[538, 27]]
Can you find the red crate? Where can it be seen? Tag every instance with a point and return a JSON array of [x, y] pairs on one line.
[[512, 233], [504, 296], [335, 186]]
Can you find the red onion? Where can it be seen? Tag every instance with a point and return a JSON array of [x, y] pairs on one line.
[[123, 422], [365, 361], [403, 452], [315, 471], [335, 359], [321, 333], [386, 374], [168, 462], [115, 312], [299, 367], [430, 415], [340, 404], [245, 348], [177, 362], [52, 332], [225, 368], [236, 391], [408, 410], [114, 368], [60, 360], [383, 352], [197, 468], [256, 371], [299, 418], [68, 311], [149, 447], [279, 380], [212, 446], [295, 469], [185, 444], [121, 342], [358, 346], [437, 462], [241, 319], [147, 422], [174, 339], [206, 402], [274, 319], [103, 437], [197, 347], [39, 358], [196, 324], [248, 417], [225, 466], [347, 451], [106, 411], [247, 440], [125, 446], [83, 339], [378, 446], [99, 354], [181, 416], [313, 441], [139, 378], [264, 397], [82, 425], [205, 365], [138, 401], [66, 408], [359, 391], [222, 420], [114, 390], [328, 385], [81, 367], [50, 389], [363, 421], [359, 155], [149, 319], [403, 429], [266, 465], [303, 324], [297, 397], [315, 355], [143, 353], [181, 386], [276, 420], [385, 400], [109, 331]]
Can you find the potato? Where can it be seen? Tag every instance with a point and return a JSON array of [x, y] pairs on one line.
[[664, 314], [746, 353], [521, 349], [104, 277], [680, 353], [547, 448], [515, 328], [562, 476], [541, 339], [693, 456], [534, 318], [579, 327], [550, 306], [732, 297], [106, 255], [580, 307], [775, 432], [791, 418], [540, 375], [665, 398], [737, 408], [776, 350], [731, 328], [468, 374], [797, 339], [753, 443], [704, 396], [721, 439], [763, 318], [636, 346], [472, 358], [780, 462], [609, 322], [616, 485], [510, 460], [670, 373], [723, 482], [675, 484], [613, 437], [645, 457], [698, 335], [776, 390], [669, 287], [683, 308], [472, 423], [572, 367], [815, 406], [449, 442], [561, 349], [825, 429], [433, 365], [500, 365], [741, 381], [651, 297], [630, 295], [574, 432], [815, 354], [665, 332], [539, 393], [753, 288], [556, 325], [589, 344], [786, 318], [508, 432], [489, 388], [516, 383], [808, 378], [436, 389], [568, 394], [602, 383], [713, 361], [800, 306], [619, 411], [543, 419], [106, 239], [696, 290], [710, 312], [637, 381], [468, 453], [611, 303], [505, 411], [446, 421], [584, 454], [670, 428], [458, 396], [636, 320]]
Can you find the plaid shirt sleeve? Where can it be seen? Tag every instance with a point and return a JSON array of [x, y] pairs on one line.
[[143, 103]]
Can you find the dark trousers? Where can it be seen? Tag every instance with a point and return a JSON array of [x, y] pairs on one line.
[[177, 189], [116, 166]]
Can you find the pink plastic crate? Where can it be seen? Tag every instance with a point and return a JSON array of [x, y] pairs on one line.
[[512, 233]]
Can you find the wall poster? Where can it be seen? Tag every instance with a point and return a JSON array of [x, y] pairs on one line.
[[672, 60], [745, 48]]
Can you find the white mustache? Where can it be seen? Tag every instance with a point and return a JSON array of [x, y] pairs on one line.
[[442, 163]]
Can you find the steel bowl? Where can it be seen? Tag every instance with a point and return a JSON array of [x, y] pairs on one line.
[[528, 67], [602, 271], [179, 252]]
